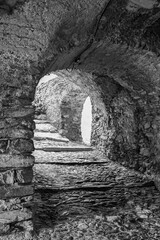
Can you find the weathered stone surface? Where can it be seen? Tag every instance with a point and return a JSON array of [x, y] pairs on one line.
[[17, 112], [45, 127], [7, 177], [16, 133], [18, 203], [71, 114], [21, 146], [24, 175], [3, 146], [15, 191], [66, 149], [14, 216], [64, 157], [4, 228], [50, 136], [55, 98], [119, 39], [15, 161]]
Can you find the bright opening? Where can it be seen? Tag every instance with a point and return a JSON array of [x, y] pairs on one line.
[[86, 121]]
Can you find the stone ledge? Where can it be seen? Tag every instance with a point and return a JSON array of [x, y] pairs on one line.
[[14, 216], [16, 191], [15, 161]]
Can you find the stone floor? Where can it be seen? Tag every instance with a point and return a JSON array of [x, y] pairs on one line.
[[84, 196]]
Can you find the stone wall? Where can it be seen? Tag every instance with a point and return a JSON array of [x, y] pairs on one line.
[[16, 161], [48, 98], [71, 113], [120, 41], [62, 102]]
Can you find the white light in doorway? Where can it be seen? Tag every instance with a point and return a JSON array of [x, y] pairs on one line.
[[86, 121]]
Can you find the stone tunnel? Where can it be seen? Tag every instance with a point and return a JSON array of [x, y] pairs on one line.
[[108, 48]]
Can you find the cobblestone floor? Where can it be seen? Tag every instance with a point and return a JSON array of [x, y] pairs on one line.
[[84, 196]]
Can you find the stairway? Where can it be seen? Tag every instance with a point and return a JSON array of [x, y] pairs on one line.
[[80, 194]]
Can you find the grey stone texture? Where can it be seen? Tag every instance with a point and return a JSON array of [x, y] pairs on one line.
[[117, 41]]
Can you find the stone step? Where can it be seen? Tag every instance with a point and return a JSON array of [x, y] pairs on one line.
[[67, 157], [50, 136], [39, 121], [105, 175], [45, 127], [65, 149]]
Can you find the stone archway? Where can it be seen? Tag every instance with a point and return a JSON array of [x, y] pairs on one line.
[[124, 61]]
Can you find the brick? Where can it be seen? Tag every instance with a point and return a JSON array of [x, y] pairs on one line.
[[15, 161], [15, 191]]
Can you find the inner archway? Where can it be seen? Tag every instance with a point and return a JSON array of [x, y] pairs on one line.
[[86, 121]]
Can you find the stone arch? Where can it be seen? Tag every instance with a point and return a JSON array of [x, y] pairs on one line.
[[38, 33]]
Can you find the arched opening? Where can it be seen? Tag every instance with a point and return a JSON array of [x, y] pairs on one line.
[[110, 49], [86, 121]]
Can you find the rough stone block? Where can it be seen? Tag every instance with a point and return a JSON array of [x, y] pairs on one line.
[[4, 228], [7, 177], [18, 235], [17, 112], [15, 191], [26, 225], [7, 217], [28, 123], [21, 146], [24, 175], [3, 145], [15, 161], [16, 133], [15, 203]]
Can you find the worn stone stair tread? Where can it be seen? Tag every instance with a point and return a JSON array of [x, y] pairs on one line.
[[66, 149], [89, 176], [45, 127], [37, 121], [74, 157], [72, 163], [94, 186], [50, 136]]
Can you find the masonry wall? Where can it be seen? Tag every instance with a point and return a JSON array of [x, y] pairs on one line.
[[71, 113], [16, 161]]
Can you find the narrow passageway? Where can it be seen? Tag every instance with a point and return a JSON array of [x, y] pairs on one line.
[[83, 195], [56, 182]]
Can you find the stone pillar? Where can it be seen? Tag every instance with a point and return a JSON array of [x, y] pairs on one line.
[[16, 162]]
